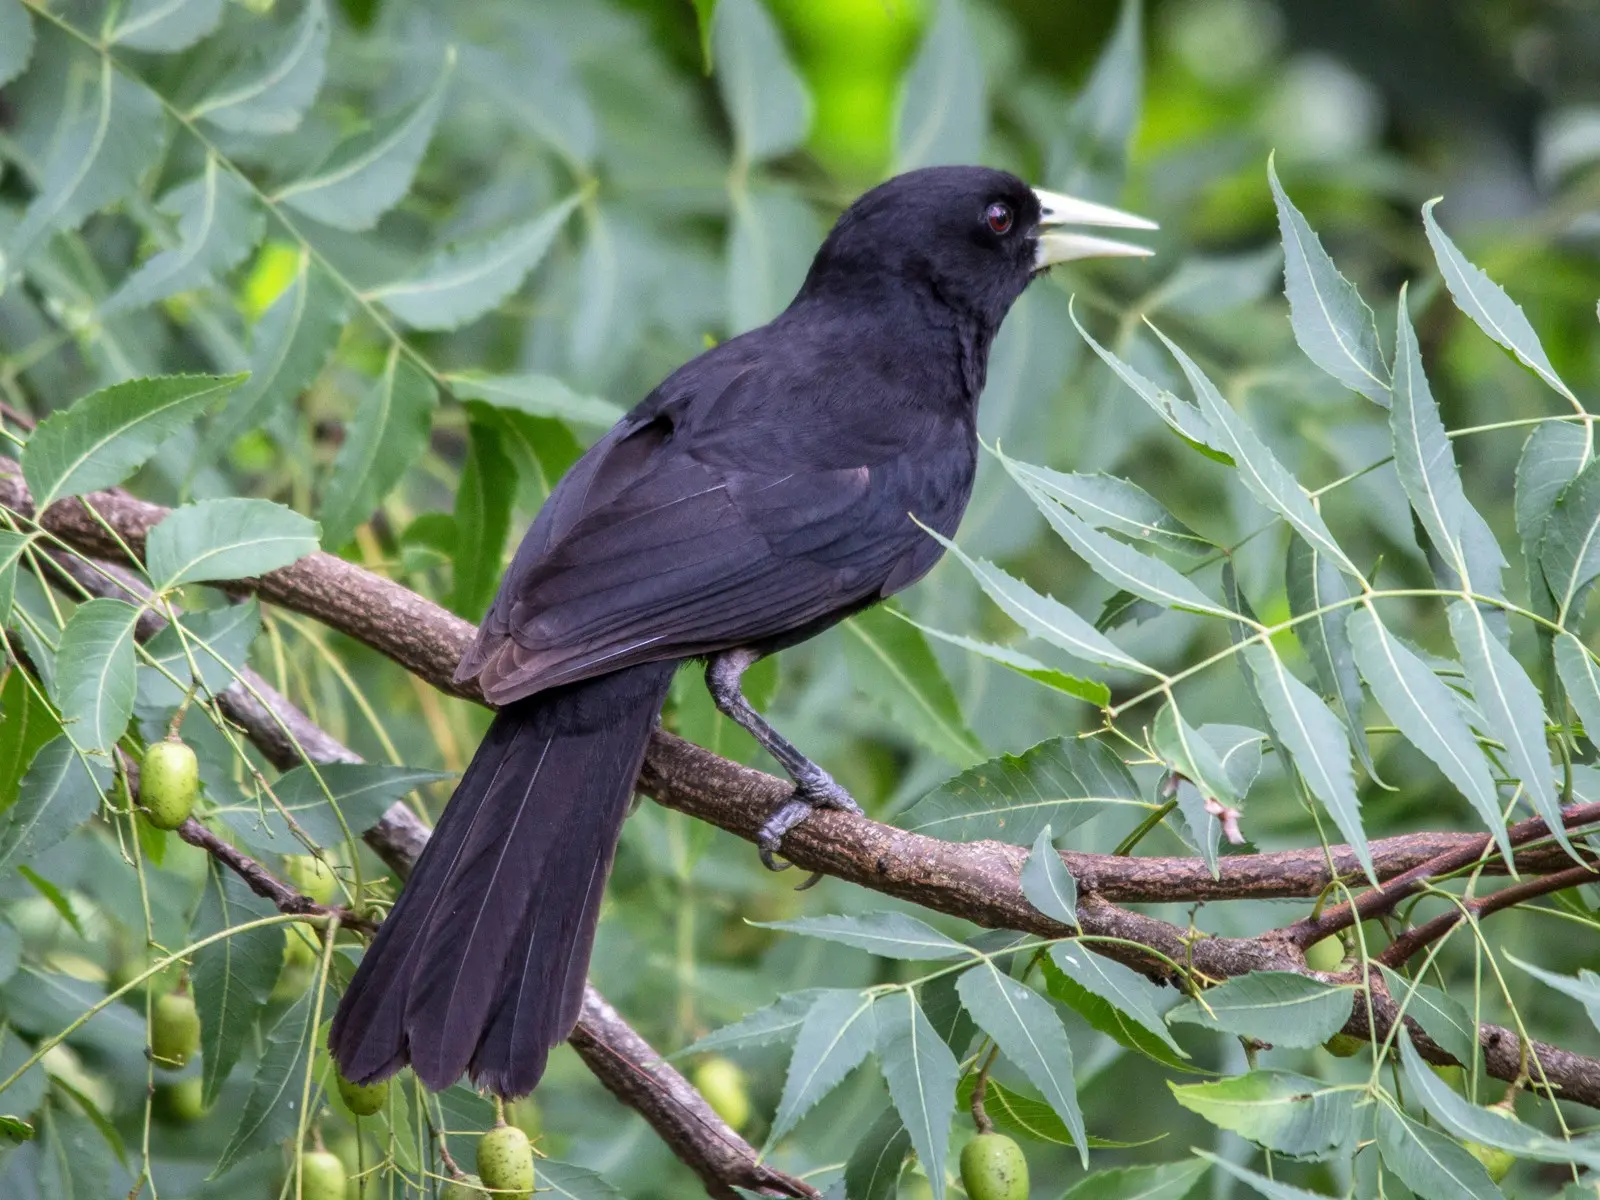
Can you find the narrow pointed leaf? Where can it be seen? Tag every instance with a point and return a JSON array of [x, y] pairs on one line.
[[1442, 1017], [536, 395], [1315, 585], [483, 520], [1270, 1188], [1279, 1110], [1191, 756], [213, 649], [873, 1172], [164, 26], [1047, 883], [778, 1022], [1433, 1166], [232, 978], [271, 88], [766, 100], [1584, 987], [387, 433], [921, 1073], [16, 40], [360, 792], [1570, 549], [1129, 992], [60, 792], [1115, 505], [233, 538], [1154, 1181], [889, 934], [1281, 1008], [836, 1035], [270, 1111], [95, 666], [1091, 690], [892, 663], [12, 546], [1580, 675], [1551, 458]]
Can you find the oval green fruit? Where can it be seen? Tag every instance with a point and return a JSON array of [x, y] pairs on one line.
[[312, 876], [1342, 1045], [467, 1187], [174, 1030], [1326, 955], [169, 782], [722, 1083], [322, 1176], [183, 1102], [1496, 1161], [363, 1099], [993, 1168], [505, 1162]]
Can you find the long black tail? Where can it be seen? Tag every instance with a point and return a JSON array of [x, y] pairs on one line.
[[481, 963]]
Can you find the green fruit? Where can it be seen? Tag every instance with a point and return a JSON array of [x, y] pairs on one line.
[[993, 1168], [363, 1099], [467, 1187], [169, 781], [183, 1102], [1496, 1161], [1342, 1045], [311, 876], [721, 1082], [1326, 955], [322, 1176], [174, 1030], [505, 1162]]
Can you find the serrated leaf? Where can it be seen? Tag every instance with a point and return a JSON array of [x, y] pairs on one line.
[[361, 792], [1127, 991], [1090, 690], [1511, 708], [1060, 783], [1584, 988], [1551, 458], [368, 175], [1043, 617], [921, 1073], [537, 395], [1154, 1181], [269, 1111], [1115, 505], [217, 642], [164, 26], [835, 1036], [1331, 321], [218, 225], [777, 1022], [1467, 1121], [1482, 299], [1433, 1166], [891, 662], [569, 1182], [462, 282], [1570, 550], [231, 978], [765, 98], [1188, 754], [873, 1171], [889, 934], [942, 113], [1581, 677], [61, 791], [271, 88], [232, 538], [1281, 1008], [16, 40], [109, 434], [1270, 1188], [1442, 1017], [95, 665], [1277, 1109], [483, 519], [12, 545], [772, 237], [98, 156], [1316, 586], [1030, 1035], [1047, 883], [385, 435], [1424, 709]]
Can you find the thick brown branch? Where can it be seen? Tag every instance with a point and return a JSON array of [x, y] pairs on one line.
[[978, 881]]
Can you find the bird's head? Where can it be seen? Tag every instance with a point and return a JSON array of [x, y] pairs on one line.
[[975, 236]]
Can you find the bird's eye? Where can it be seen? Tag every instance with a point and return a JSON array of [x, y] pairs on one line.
[[998, 215]]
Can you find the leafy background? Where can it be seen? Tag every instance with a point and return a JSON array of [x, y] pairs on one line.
[[449, 244]]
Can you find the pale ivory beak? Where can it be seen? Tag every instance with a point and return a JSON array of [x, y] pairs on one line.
[[1057, 245]]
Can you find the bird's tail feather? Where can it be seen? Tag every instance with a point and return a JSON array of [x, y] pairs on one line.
[[480, 965]]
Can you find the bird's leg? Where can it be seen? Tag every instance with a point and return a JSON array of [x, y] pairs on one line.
[[813, 787]]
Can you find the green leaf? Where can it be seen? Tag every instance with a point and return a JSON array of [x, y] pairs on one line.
[[109, 434], [95, 663], [164, 26], [1270, 1188], [219, 641], [59, 793], [55, 897], [293, 340], [462, 282], [778, 1022], [1047, 883], [233, 538], [231, 978], [388, 431], [921, 1073], [98, 155], [1043, 617], [1482, 299], [891, 662], [218, 225], [771, 240], [1057, 784], [888, 934], [537, 395], [270, 1111], [11, 547], [1551, 458], [1430, 1164], [1467, 1121], [1581, 677], [1584, 988], [1511, 708], [1091, 690], [1424, 709], [1115, 505], [705, 12], [1280, 1008], [1195, 759], [567, 1182], [271, 88], [1315, 585], [1123, 988], [483, 520], [834, 1038], [1279, 1110], [1331, 321], [10, 960], [26, 724], [370, 173], [1154, 1181], [1442, 1017], [1570, 550], [1030, 1035], [942, 113], [361, 792], [1092, 148], [765, 98], [873, 1171], [76, 1159], [16, 40]]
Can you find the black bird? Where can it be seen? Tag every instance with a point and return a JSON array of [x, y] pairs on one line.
[[761, 493]]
